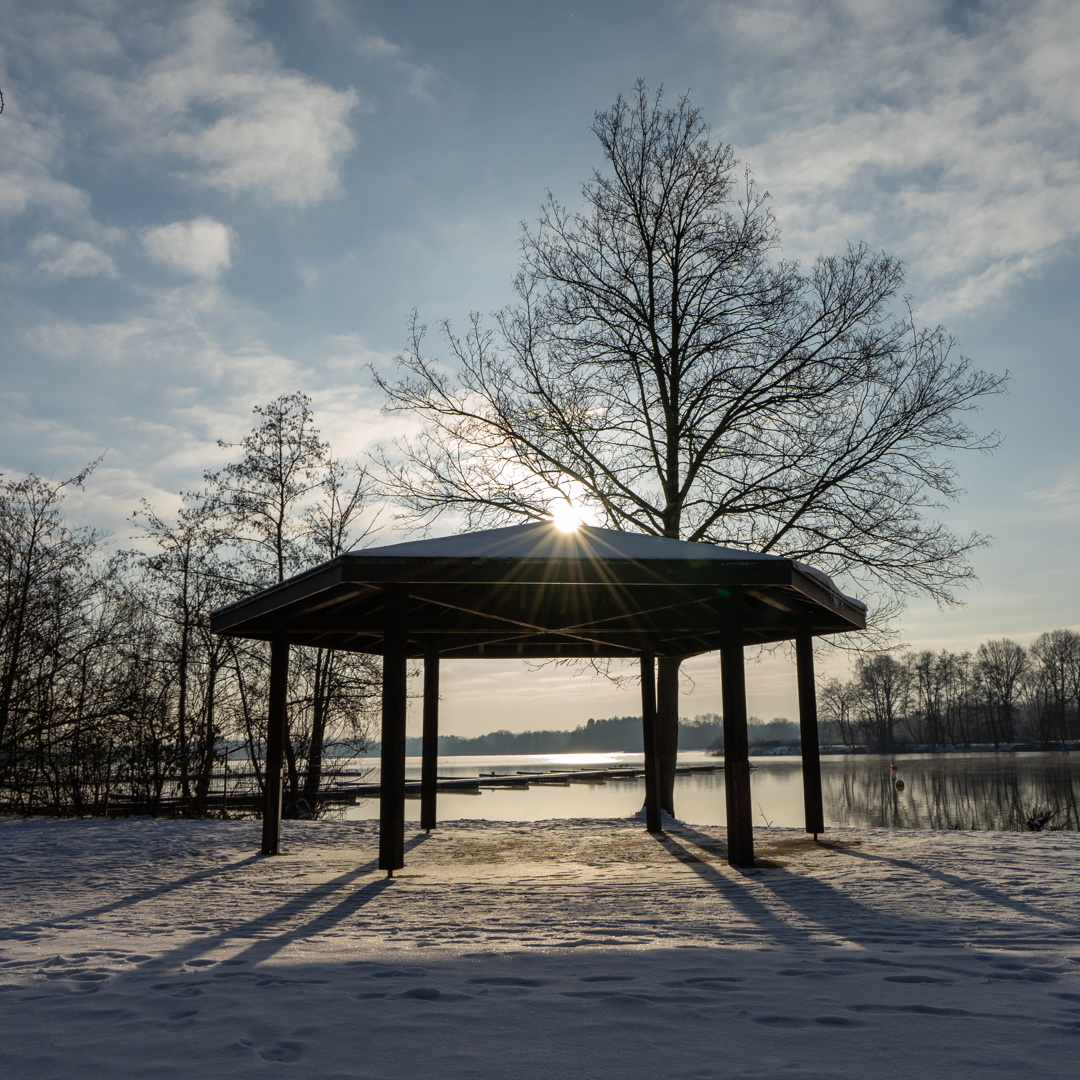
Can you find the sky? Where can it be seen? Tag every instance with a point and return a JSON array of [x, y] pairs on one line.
[[205, 204]]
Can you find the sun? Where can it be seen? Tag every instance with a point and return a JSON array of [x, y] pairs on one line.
[[565, 516]]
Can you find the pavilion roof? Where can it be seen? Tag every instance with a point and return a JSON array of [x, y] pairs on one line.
[[533, 591]]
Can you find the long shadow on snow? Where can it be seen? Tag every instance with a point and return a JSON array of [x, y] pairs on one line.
[[268, 927], [986, 892], [135, 898], [812, 898]]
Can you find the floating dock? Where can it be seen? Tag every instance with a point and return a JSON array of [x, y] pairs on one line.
[[350, 792], [520, 780]]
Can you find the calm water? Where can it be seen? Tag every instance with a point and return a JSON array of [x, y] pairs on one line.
[[940, 791]]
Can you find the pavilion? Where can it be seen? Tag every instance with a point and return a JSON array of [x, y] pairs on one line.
[[534, 591]]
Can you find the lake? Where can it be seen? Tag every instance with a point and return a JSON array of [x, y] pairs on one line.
[[939, 791]]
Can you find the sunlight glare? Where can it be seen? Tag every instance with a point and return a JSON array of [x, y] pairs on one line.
[[565, 517]]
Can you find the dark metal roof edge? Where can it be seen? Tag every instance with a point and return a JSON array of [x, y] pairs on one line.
[[257, 603], [809, 585]]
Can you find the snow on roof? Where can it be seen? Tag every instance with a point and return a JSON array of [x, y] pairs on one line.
[[542, 540]]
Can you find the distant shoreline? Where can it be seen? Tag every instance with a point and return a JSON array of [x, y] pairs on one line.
[[786, 750], [975, 748]]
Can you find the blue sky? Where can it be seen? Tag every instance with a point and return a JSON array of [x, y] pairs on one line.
[[206, 204]]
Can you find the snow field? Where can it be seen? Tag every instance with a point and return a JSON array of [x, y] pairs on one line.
[[140, 948]]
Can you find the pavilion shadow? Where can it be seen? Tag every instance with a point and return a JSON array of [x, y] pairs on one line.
[[993, 895], [142, 896], [801, 895]]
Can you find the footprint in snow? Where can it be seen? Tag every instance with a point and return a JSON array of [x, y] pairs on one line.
[[433, 993], [286, 1051], [56, 961], [772, 1020], [922, 1010], [1022, 976], [916, 979], [507, 980]]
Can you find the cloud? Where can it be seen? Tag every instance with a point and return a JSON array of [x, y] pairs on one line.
[[200, 247], [418, 78], [186, 86], [1062, 501], [193, 356], [947, 132], [33, 154], [58, 259], [238, 121]]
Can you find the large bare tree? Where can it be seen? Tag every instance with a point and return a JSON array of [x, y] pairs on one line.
[[667, 371]]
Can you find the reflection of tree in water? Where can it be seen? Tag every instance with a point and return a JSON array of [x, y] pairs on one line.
[[954, 792]]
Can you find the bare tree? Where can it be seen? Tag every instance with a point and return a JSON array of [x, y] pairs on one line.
[[282, 506], [184, 578], [48, 580], [1001, 667], [837, 704], [261, 497], [665, 371], [1055, 683], [883, 687]]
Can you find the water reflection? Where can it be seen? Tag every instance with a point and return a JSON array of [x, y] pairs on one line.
[[940, 791], [953, 791]]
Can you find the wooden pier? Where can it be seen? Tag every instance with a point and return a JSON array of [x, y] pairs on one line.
[[350, 792], [519, 780]]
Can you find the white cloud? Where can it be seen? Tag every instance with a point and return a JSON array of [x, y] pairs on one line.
[[46, 444], [189, 86], [223, 104], [32, 157], [418, 78], [58, 259], [1061, 502], [950, 140], [195, 334], [201, 247]]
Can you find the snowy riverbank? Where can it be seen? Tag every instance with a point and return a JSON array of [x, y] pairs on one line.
[[139, 948]]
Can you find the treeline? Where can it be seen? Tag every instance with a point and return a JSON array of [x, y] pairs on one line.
[[112, 686], [1000, 695], [113, 689], [614, 735]]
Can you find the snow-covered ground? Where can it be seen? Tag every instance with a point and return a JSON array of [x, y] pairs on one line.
[[587, 949]]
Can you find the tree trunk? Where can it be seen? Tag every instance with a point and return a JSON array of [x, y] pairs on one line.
[[208, 748], [667, 727], [313, 775], [182, 710]]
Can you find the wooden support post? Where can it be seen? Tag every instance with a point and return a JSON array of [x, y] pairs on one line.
[[429, 764], [648, 731], [277, 723], [392, 762], [808, 734], [740, 824]]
